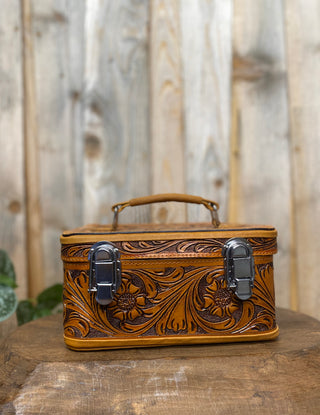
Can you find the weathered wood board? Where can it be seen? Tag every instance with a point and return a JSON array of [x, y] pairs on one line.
[[41, 376], [34, 248], [166, 87], [260, 158], [303, 39], [58, 47], [116, 131], [12, 186], [206, 43]]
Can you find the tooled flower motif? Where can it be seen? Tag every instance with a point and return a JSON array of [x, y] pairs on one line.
[[219, 299], [128, 302]]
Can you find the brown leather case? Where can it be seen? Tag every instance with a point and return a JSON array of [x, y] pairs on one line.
[[168, 284]]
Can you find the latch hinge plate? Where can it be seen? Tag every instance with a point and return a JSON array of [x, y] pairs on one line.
[[239, 267], [105, 271]]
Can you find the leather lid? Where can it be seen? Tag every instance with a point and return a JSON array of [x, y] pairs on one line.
[[97, 232]]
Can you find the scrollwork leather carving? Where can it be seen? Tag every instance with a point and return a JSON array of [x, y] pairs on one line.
[[169, 300], [196, 247]]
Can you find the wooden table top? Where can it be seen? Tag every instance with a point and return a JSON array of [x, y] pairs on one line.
[[38, 374]]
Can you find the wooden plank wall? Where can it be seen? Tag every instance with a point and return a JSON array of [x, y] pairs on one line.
[[303, 34], [12, 189], [207, 70], [102, 101], [166, 91], [260, 175], [116, 102]]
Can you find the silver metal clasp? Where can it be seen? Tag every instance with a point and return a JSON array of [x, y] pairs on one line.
[[105, 271], [239, 267]]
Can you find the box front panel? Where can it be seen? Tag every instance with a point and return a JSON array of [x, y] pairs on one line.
[[168, 289]]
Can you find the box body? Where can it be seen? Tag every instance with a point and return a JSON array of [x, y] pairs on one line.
[[173, 287]]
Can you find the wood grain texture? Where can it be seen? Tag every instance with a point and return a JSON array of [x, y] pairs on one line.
[[117, 144], [37, 373], [206, 55], [57, 36], [105, 100], [12, 190], [168, 173], [31, 156], [303, 37], [8, 326], [260, 189]]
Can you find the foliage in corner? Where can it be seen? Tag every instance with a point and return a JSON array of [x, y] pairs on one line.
[[8, 298], [46, 303]]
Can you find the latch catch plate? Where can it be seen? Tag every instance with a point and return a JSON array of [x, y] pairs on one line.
[[239, 267], [105, 271]]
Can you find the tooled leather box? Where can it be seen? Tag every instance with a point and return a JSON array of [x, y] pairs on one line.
[[156, 285]]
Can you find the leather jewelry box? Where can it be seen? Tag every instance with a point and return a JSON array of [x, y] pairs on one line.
[[156, 285]]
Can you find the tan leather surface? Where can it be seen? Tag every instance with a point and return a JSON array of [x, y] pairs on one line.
[[160, 299], [212, 206], [166, 197], [125, 343], [173, 287], [170, 289], [183, 231]]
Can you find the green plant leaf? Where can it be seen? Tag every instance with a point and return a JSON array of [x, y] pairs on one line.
[[25, 312], [41, 312], [6, 265], [50, 297], [8, 302], [9, 282], [47, 301]]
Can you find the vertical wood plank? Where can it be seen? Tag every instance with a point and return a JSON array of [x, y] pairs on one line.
[[168, 173], [117, 143], [32, 183], [260, 180], [12, 201], [207, 55], [57, 36], [303, 39]]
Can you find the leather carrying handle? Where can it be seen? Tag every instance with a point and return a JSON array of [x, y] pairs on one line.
[[167, 197]]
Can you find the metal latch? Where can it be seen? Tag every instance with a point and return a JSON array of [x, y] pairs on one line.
[[105, 271], [239, 267]]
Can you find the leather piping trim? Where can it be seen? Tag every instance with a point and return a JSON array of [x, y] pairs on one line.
[[155, 341], [65, 234], [168, 235]]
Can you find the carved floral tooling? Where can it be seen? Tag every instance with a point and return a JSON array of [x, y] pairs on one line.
[[130, 302], [219, 299], [199, 247], [167, 301]]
